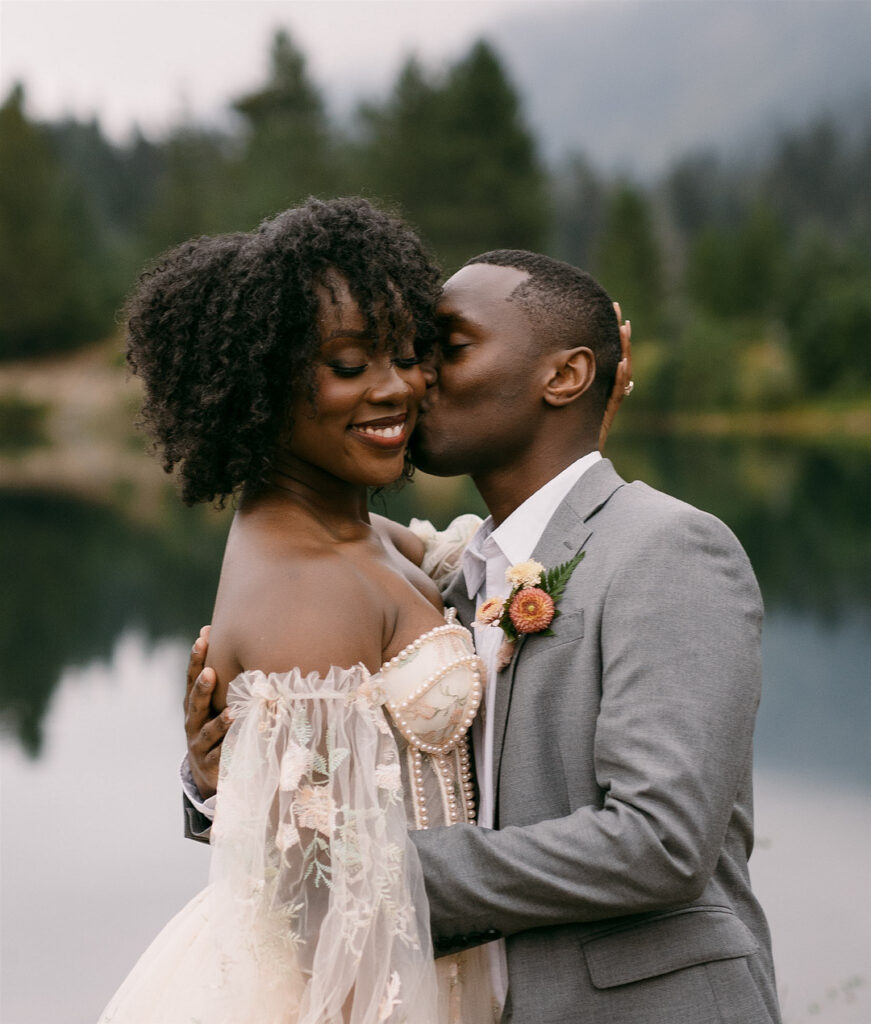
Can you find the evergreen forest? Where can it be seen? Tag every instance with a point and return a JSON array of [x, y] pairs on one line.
[[747, 279]]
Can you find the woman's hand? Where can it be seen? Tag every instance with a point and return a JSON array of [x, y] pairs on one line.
[[623, 382], [205, 731]]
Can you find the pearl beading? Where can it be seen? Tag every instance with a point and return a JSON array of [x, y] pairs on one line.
[[415, 645], [396, 708], [450, 761], [454, 775], [418, 797]]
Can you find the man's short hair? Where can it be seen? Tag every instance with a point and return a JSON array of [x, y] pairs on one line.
[[568, 308]]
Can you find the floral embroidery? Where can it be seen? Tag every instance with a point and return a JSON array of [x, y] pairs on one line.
[[314, 808], [388, 778], [295, 763], [391, 998], [287, 836]]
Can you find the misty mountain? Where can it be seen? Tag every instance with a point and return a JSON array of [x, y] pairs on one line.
[[632, 85]]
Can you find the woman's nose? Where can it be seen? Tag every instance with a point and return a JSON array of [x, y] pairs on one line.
[[392, 384]]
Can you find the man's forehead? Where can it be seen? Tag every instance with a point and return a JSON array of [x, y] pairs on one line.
[[479, 286]]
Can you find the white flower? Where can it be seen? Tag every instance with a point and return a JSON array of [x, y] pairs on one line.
[[391, 997], [524, 574], [371, 692], [387, 777], [296, 762], [314, 808]]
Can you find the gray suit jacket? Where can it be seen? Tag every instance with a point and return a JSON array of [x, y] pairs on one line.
[[623, 748]]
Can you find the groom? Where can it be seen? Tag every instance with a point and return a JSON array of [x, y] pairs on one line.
[[614, 757]]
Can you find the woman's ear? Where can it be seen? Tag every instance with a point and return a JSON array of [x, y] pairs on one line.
[[572, 371]]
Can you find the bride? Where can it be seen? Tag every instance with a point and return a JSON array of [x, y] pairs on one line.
[[282, 368]]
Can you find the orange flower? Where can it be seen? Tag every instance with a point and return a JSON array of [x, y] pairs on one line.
[[490, 611], [532, 610]]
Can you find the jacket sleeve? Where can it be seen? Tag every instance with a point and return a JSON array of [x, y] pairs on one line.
[[196, 826], [679, 633]]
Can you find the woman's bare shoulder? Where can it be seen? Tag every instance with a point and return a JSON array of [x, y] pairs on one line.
[[310, 611]]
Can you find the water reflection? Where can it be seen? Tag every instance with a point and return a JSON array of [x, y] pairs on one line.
[[81, 575], [95, 623], [76, 577]]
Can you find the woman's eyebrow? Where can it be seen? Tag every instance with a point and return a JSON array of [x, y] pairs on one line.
[[349, 332]]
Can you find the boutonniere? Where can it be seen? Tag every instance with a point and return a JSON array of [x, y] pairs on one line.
[[531, 606]]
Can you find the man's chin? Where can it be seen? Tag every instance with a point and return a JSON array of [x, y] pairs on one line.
[[429, 460]]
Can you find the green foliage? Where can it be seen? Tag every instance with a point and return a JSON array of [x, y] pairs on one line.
[[579, 197], [191, 193], [454, 153], [50, 265], [628, 260], [747, 283], [554, 580], [827, 308], [287, 150], [735, 271], [22, 424]]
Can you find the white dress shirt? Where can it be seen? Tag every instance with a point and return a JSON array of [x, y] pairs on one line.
[[490, 552]]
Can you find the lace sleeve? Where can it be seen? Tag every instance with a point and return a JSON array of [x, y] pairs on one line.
[[443, 549], [319, 892]]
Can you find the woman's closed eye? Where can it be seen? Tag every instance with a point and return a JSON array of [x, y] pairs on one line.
[[345, 370], [341, 370]]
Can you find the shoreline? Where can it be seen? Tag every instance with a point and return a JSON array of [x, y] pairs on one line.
[[86, 443], [816, 424]]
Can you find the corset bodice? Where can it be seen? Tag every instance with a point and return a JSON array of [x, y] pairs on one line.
[[432, 691], [433, 688]]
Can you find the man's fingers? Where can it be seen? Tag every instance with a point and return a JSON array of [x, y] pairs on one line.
[[210, 736], [199, 702], [196, 661]]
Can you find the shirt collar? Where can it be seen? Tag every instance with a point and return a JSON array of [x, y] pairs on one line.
[[517, 536]]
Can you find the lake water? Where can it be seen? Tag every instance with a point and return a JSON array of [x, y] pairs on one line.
[[98, 614]]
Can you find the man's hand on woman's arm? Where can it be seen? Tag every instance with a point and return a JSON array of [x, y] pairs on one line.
[[205, 731]]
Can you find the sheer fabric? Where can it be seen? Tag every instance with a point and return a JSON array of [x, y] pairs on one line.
[[315, 912], [443, 549]]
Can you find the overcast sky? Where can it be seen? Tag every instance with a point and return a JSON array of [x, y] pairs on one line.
[[148, 61]]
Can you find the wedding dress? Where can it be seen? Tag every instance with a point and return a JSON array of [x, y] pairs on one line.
[[315, 912]]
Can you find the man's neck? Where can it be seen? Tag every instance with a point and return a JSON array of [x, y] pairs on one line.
[[506, 488]]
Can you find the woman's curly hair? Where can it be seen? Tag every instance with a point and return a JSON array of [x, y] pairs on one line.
[[223, 331]]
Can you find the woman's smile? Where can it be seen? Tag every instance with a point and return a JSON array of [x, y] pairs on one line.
[[388, 432]]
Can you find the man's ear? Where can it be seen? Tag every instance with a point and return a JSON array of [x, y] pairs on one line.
[[572, 371]]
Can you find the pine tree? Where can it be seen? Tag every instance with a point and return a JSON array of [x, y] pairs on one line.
[[288, 152], [455, 154], [628, 260], [51, 275]]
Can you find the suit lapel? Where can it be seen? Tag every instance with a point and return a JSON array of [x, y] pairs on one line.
[[565, 534]]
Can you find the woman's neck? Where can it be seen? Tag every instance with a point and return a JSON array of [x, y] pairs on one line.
[[339, 508]]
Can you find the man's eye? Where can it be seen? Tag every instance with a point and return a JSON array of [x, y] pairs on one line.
[[453, 348], [341, 370]]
